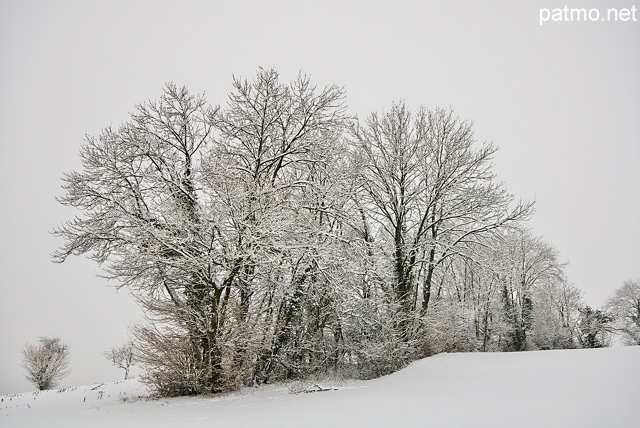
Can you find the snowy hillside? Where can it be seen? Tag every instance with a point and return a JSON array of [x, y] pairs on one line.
[[577, 388]]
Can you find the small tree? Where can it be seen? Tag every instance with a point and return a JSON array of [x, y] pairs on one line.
[[121, 357], [46, 363]]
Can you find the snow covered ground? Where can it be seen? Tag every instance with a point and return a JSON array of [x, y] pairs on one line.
[[576, 388]]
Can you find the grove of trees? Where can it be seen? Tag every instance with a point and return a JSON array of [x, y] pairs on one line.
[[276, 237]]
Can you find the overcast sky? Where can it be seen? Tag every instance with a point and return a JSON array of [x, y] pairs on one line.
[[561, 101]]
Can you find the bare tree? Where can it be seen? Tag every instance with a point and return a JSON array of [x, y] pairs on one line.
[[527, 263], [140, 194], [202, 213], [556, 314], [46, 363], [121, 357], [430, 191], [279, 143], [624, 305]]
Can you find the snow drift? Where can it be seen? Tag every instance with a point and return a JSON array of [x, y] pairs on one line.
[[573, 388]]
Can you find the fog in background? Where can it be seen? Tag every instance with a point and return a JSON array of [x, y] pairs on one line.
[[561, 101]]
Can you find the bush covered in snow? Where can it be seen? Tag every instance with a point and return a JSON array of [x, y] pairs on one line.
[[46, 363]]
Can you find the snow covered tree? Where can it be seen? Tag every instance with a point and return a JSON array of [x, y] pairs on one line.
[[529, 262], [430, 193], [510, 290], [139, 192], [121, 357], [624, 306], [279, 144], [205, 214], [594, 328], [556, 314], [46, 363], [467, 295], [450, 327]]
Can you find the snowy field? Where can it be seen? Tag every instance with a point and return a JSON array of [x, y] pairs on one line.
[[576, 388]]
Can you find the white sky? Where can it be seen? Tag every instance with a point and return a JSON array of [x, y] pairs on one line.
[[562, 102]]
